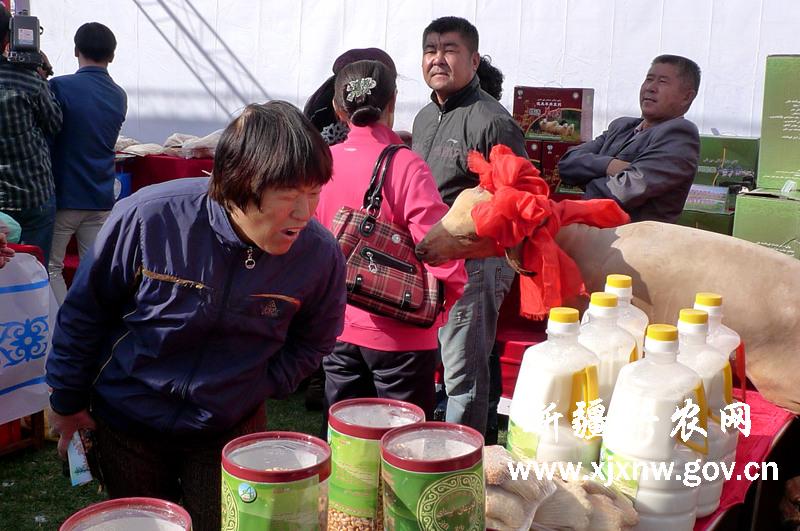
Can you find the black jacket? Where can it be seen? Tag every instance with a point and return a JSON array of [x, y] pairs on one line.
[[470, 119]]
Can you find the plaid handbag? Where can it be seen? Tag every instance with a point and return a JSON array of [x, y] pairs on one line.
[[384, 275]]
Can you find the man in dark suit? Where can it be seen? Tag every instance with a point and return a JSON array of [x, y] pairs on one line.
[[646, 164]]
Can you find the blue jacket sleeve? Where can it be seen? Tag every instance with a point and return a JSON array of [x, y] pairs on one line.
[[313, 331], [101, 293]]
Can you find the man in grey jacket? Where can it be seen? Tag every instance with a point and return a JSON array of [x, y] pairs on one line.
[[646, 164], [462, 117]]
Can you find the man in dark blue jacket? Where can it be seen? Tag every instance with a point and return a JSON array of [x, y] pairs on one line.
[[94, 108], [200, 299]]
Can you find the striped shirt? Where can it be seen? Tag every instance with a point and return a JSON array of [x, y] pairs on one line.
[[28, 115]]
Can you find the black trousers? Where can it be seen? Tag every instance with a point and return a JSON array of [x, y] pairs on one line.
[[185, 470], [359, 372]]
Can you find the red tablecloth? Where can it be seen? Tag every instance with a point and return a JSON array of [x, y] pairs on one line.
[[154, 169], [767, 422]]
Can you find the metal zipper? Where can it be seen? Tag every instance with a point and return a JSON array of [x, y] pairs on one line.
[[249, 262], [373, 256]]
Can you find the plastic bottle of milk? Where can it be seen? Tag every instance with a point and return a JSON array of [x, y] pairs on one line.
[[629, 317], [637, 436], [614, 345], [715, 370], [719, 336], [558, 371]]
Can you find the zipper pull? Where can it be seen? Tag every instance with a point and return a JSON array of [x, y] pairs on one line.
[[372, 266], [440, 117], [249, 262]]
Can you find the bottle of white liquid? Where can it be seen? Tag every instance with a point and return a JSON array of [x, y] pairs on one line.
[[715, 370], [557, 371], [630, 317], [638, 434], [719, 336], [614, 345]]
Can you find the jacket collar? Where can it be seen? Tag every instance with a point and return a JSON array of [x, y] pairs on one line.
[[370, 133], [459, 97], [221, 225], [92, 69]]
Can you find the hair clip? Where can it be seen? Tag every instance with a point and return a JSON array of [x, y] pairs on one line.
[[360, 87]]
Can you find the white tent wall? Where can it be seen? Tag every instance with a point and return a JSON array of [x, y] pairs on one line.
[[190, 65]]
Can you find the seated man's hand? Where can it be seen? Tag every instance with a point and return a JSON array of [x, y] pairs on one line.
[[616, 166], [66, 425]]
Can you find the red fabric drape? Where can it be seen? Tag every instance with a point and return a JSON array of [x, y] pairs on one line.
[[521, 209]]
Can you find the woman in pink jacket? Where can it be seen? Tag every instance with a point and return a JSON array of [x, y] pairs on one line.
[[375, 355]]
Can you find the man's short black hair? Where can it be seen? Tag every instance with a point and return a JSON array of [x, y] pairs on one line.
[[458, 25], [96, 42], [268, 146], [5, 19], [687, 69]]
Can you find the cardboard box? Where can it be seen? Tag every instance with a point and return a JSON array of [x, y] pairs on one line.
[[551, 154], [727, 161], [769, 220], [720, 223], [779, 155], [713, 199], [546, 113], [534, 150]]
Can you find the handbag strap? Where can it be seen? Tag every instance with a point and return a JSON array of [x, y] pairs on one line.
[[373, 197]]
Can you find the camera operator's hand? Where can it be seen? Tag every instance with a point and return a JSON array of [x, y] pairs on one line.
[[46, 70]]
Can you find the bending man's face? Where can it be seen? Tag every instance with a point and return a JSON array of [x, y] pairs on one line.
[[664, 94], [283, 213], [447, 63]]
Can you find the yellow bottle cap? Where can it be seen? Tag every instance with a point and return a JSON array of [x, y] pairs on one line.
[[564, 315], [606, 300], [619, 281], [708, 299], [662, 332], [692, 316]]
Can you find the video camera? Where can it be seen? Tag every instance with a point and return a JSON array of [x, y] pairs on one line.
[[23, 38]]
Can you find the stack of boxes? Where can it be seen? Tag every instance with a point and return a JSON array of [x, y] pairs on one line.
[[770, 215], [553, 120], [727, 165]]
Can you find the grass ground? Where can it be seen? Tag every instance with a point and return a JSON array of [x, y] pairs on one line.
[[35, 495]]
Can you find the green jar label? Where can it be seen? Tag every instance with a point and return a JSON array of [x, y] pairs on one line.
[[520, 443], [434, 502], [251, 506], [355, 474]]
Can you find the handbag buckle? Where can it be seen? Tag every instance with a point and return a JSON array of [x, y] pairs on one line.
[[367, 224]]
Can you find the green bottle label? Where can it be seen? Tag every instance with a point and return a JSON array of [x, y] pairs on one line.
[[610, 463], [522, 444]]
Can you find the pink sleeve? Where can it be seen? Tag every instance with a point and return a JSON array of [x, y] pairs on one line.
[[422, 209]]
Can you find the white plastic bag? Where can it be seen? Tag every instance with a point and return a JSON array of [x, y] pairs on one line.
[[27, 317]]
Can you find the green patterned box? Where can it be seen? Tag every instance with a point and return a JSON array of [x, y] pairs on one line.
[[769, 220], [727, 160], [721, 223], [779, 156]]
